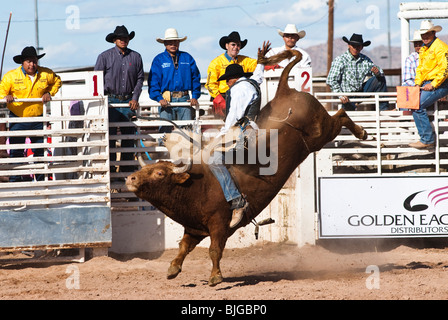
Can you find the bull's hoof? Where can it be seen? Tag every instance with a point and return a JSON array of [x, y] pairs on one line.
[[215, 280], [173, 271], [365, 135]]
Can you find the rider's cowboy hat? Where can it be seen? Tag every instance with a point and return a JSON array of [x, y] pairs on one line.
[[234, 71], [171, 34], [234, 36], [27, 52], [120, 31], [292, 29], [356, 39], [427, 26]]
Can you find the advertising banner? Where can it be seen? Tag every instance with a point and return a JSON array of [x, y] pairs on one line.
[[383, 207]]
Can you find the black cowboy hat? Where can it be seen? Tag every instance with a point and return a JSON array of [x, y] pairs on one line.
[[356, 39], [27, 52], [234, 71], [120, 31], [232, 37]]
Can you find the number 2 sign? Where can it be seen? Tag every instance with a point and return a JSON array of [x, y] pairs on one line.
[[306, 84]]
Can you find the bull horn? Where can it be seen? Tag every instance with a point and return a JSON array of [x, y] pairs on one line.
[[183, 168], [141, 161]]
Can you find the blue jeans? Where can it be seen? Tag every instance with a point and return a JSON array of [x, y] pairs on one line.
[[19, 153], [223, 176], [176, 113], [427, 99], [374, 84], [122, 114]]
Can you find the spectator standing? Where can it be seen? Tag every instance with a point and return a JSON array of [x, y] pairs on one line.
[[173, 75], [123, 82], [28, 81], [232, 44], [290, 38]]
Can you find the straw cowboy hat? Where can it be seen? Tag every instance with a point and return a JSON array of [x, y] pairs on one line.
[[120, 31], [292, 29], [234, 71], [417, 37], [171, 34], [27, 52], [356, 39], [232, 37], [427, 26]]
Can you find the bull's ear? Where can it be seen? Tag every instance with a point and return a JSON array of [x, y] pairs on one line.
[[180, 178]]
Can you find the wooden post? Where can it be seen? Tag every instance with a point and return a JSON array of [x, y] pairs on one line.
[[330, 42], [330, 34]]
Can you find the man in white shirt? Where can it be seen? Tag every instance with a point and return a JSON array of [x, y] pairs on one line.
[[243, 99], [290, 36], [243, 94]]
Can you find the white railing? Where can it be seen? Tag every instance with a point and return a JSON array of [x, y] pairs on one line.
[[80, 176], [386, 151]]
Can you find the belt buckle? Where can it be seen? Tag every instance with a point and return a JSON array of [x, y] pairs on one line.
[[178, 94]]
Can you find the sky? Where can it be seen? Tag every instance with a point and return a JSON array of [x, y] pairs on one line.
[[72, 33]]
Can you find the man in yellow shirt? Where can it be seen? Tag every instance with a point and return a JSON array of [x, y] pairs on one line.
[[431, 76], [217, 89], [27, 81]]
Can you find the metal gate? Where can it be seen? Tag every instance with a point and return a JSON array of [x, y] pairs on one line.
[[63, 200]]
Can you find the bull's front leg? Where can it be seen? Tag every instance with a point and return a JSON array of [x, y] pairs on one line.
[[186, 245]]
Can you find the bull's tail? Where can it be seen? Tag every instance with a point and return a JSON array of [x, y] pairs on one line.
[[273, 60], [287, 54]]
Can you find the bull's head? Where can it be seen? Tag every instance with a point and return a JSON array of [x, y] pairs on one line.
[[163, 171]]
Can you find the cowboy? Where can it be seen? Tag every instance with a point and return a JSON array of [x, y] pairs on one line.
[[232, 44], [411, 61], [28, 81], [243, 100], [290, 37], [123, 82], [173, 75], [432, 78], [355, 72]]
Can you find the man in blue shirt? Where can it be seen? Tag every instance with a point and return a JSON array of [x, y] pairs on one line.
[[173, 74], [123, 82]]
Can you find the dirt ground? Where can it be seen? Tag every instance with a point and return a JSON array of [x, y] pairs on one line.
[[267, 271]]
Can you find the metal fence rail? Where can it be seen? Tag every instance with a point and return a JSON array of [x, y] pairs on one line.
[[70, 206], [386, 152]]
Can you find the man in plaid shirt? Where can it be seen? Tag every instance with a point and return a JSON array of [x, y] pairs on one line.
[[411, 62], [355, 72]]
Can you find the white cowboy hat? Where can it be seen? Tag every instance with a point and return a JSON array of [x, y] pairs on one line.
[[427, 26], [292, 29], [171, 34], [417, 36]]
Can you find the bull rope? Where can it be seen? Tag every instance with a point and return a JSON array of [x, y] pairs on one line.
[[285, 120]]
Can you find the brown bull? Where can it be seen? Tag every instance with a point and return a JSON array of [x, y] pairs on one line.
[[193, 197]]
